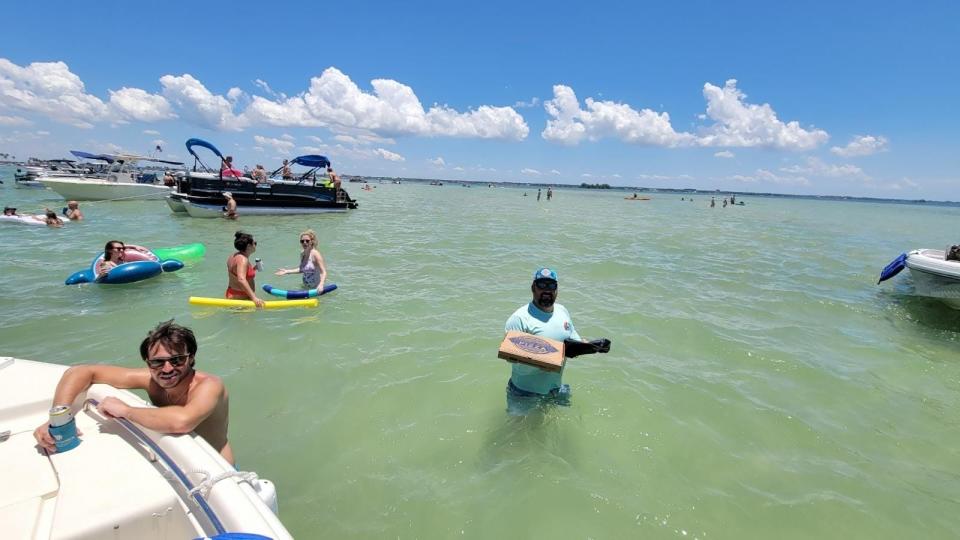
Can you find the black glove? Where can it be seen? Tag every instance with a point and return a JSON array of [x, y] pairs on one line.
[[574, 348]]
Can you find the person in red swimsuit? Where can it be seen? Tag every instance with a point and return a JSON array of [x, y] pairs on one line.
[[240, 272]]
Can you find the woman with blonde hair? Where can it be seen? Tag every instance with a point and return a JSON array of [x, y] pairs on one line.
[[311, 263]]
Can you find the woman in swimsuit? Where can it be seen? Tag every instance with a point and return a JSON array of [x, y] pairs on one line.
[[112, 256], [240, 273], [311, 263]]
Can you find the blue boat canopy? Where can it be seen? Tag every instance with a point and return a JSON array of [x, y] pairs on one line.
[[200, 142], [88, 155], [312, 161]]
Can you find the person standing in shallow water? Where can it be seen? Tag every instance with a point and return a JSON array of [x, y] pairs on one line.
[[549, 193], [529, 386], [240, 272], [538, 194]]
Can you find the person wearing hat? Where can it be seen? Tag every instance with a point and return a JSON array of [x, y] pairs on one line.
[[543, 316], [230, 210]]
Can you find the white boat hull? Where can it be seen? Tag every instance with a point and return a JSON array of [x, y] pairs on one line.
[[175, 202], [935, 277], [114, 484], [95, 189], [213, 211]]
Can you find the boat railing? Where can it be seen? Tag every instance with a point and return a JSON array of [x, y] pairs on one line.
[[171, 464]]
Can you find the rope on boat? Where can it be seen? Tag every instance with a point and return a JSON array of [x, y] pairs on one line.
[[207, 484]]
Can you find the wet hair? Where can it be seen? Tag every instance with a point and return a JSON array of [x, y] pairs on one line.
[[51, 214], [242, 240], [176, 338], [9, 210], [311, 234]]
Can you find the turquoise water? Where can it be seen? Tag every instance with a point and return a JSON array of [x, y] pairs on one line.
[[760, 385]]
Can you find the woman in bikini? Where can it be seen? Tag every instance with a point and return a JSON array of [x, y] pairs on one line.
[[112, 256], [240, 272], [311, 263]]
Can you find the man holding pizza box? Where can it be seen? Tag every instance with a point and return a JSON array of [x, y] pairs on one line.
[[539, 337]]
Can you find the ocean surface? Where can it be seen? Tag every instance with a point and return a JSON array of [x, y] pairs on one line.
[[760, 383]]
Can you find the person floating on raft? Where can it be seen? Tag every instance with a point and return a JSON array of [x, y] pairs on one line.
[[124, 263]]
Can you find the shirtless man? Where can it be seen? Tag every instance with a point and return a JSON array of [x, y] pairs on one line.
[[186, 400], [73, 212], [230, 209]]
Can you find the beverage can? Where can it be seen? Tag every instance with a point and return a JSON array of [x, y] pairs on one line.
[[63, 428], [258, 264]]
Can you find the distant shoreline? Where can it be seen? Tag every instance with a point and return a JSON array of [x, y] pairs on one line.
[[673, 191]]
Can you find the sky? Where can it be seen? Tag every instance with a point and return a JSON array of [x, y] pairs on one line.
[[828, 98]]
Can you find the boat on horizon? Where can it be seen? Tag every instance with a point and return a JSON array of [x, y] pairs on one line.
[[27, 175], [199, 192], [934, 276], [122, 480], [120, 180]]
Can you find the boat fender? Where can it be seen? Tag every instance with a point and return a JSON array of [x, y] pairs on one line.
[[893, 268]]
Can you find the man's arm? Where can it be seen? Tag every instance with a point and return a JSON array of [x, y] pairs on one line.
[[78, 379], [171, 418]]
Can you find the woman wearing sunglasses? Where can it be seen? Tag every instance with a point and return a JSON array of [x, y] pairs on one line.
[[112, 256], [311, 263], [240, 273]]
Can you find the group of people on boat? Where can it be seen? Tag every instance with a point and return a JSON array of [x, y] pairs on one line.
[[260, 175]]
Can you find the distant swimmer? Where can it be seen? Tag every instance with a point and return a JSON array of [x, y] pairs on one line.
[[549, 193], [733, 199], [73, 212], [229, 209], [713, 202], [529, 386], [538, 194], [185, 400], [52, 220]]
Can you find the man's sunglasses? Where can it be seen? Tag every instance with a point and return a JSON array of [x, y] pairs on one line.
[[546, 284], [175, 361]]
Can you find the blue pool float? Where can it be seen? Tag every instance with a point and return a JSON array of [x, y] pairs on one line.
[[297, 295], [142, 264]]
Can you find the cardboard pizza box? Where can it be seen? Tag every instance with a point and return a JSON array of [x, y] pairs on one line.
[[534, 350]]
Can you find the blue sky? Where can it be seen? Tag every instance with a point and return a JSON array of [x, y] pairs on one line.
[[853, 98]]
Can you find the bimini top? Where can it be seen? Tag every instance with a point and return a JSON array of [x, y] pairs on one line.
[[88, 155], [110, 158], [200, 142], [311, 161]]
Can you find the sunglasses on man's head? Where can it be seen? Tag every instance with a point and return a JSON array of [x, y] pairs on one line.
[[176, 360], [546, 284]]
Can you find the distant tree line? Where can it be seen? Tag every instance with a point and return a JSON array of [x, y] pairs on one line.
[[594, 186]]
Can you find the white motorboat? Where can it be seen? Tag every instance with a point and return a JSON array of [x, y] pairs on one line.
[[933, 275], [122, 481], [121, 181]]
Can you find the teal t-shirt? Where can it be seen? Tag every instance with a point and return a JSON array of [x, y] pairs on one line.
[[556, 325]]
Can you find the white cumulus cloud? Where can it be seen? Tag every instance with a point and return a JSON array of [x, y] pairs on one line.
[[388, 155], [333, 100], [138, 104], [817, 167], [862, 145], [438, 161], [531, 172], [569, 124], [50, 89], [724, 154], [735, 123], [281, 146], [741, 124], [198, 105], [13, 121]]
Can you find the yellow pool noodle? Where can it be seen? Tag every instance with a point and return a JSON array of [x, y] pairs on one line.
[[270, 304]]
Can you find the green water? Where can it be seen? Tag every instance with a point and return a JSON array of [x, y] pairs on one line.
[[760, 385]]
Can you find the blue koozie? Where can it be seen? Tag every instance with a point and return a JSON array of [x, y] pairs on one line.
[[63, 428]]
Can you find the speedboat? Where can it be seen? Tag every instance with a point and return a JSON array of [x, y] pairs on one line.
[[933, 275], [121, 180], [122, 481], [199, 192], [28, 175]]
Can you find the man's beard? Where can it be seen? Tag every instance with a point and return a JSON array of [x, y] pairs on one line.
[[546, 299]]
